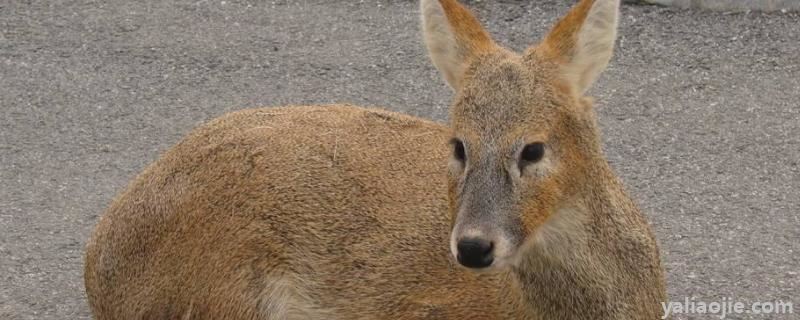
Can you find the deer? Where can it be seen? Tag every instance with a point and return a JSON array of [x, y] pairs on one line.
[[509, 211]]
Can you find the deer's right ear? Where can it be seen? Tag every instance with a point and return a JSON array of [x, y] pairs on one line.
[[453, 37]]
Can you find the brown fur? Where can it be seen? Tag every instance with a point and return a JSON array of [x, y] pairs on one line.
[[340, 212]]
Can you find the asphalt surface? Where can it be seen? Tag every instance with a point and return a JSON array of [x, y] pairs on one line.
[[699, 111]]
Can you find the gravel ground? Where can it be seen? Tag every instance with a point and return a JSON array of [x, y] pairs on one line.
[[730, 5], [699, 111]]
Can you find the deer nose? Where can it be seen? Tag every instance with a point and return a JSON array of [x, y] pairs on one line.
[[475, 253]]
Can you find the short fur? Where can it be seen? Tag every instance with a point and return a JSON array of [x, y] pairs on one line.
[[340, 212]]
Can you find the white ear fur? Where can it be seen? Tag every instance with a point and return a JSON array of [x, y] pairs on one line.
[[454, 38], [441, 41], [595, 44]]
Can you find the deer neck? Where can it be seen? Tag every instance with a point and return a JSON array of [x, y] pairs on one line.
[[562, 272]]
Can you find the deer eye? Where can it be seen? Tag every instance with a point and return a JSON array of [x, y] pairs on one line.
[[532, 153], [458, 150]]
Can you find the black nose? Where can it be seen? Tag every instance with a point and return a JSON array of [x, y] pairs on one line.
[[475, 253]]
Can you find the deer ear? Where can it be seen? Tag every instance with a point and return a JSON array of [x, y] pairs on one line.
[[582, 42], [453, 36]]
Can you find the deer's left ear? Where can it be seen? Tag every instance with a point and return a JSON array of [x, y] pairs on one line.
[[582, 42]]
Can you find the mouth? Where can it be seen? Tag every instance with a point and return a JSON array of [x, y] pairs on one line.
[[497, 265]]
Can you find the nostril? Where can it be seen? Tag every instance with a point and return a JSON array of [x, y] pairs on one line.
[[475, 253], [475, 246]]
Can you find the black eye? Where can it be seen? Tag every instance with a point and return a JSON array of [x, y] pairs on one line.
[[458, 150], [533, 152]]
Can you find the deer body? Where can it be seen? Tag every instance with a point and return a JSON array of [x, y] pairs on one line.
[[340, 212], [254, 216]]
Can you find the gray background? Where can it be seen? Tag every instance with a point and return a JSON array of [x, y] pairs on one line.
[[731, 5], [699, 112]]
